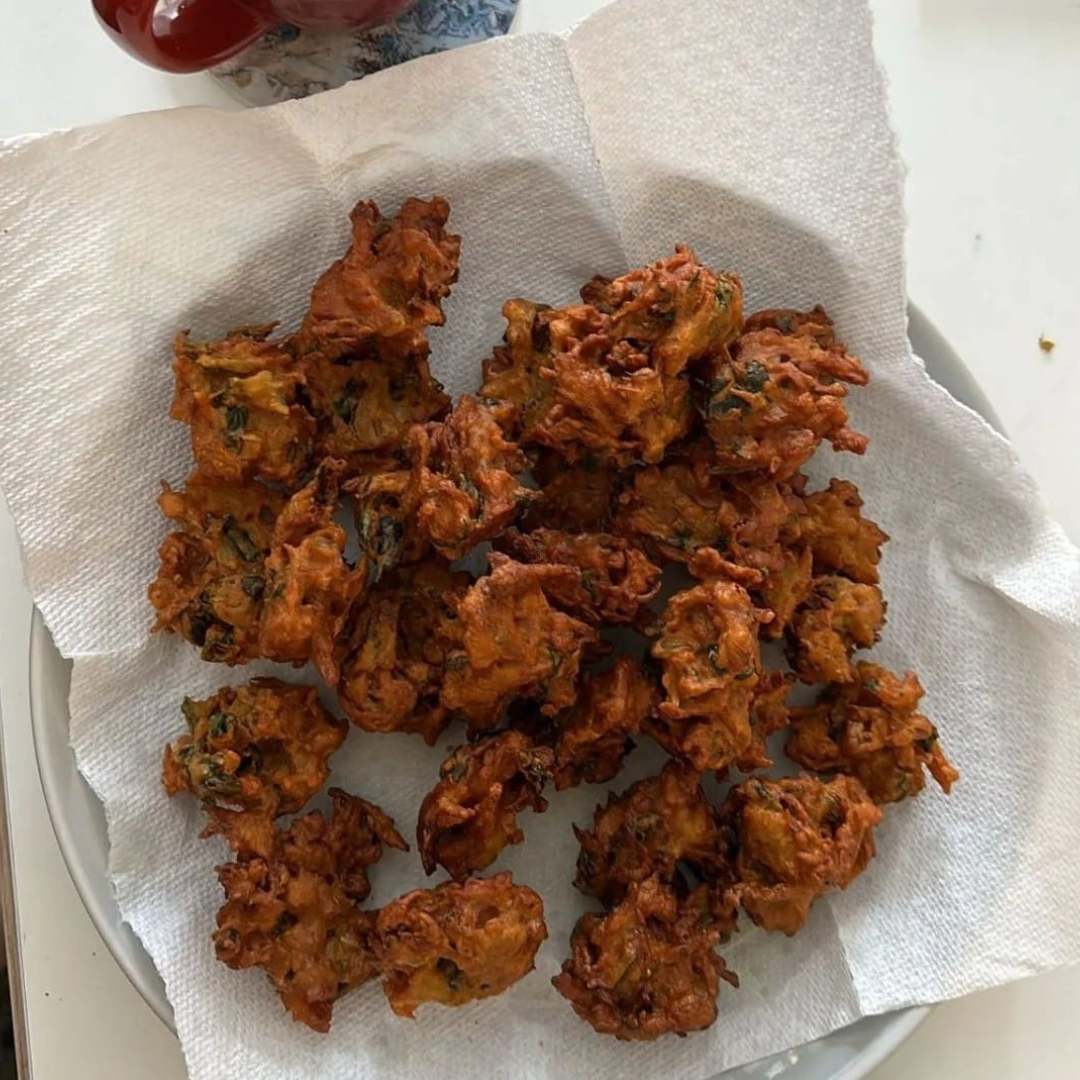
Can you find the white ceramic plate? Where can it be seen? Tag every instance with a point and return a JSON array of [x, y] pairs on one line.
[[79, 820]]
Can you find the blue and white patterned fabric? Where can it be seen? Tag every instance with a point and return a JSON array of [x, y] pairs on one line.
[[290, 63]]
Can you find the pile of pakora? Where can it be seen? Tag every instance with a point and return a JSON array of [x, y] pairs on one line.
[[654, 564]]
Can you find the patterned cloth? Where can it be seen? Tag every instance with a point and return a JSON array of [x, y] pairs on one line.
[[290, 63]]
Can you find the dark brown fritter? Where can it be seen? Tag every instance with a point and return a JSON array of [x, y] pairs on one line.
[[210, 585], [776, 398], [841, 539], [264, 746], [648, 967], [870, 728], [581, 497], [471, 813], [795, 840], [616, 579], [292, 910], [838, 617], [652, 828], [512, 643], [241, 397], [458, 941], [394, 651], [710, 661]]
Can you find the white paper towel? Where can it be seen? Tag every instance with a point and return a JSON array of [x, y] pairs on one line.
[[755, 133]]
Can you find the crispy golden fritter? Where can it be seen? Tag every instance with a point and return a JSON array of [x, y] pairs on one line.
[[241, 399], [838, 617], [870, 729], [512, 643], [263, 746], [784, 587], [593, 737], [458, 941], [647, 967], [796, 839], [769, 713], [310, 587], [651, 828], [710, 661], [471, 813], [776, 398], [212, 579], [608, 377], [292, 910], [616, 579], [841, 539], [394, 651]]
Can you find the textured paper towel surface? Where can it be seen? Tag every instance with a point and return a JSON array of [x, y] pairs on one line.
[[756, 134]]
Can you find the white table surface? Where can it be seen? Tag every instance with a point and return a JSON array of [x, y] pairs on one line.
[[986, 99]]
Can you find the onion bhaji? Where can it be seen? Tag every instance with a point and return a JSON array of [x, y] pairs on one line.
[[794, 840], [870, 729], [647, 967], [511, 642], [292, 910], [395, 647], [769, 713], [710, 661], [841, 539], [263, 747], [471, 813], [616, 580], [838, 617], [458, 941], [776, 397], [580, 497], [363, 345], [658, 825], [241, 398], [609, 377]]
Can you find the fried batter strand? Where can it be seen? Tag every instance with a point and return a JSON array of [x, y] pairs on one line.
[[870, 729], [710, 659], [596, 733], [471, 813], [458, 942], [395, 648], [292, 910], [240, 397], [616, 580], [842, 540], [796, 839], [512, 643], [778, 396], [262, 747], [646, 968], [212, 578], [652, 828]]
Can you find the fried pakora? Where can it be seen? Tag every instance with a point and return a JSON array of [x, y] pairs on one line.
[[458, 941], [471, 813], [262, 747], [647, 967], [212, 579], [292, 910], [841, 539], [363, 346], [710, 661], [776, 398], [581, 497], [310, 587], [870, 729], [593, 737], [616, 580], [652, 828], [394, 650], [838, 617], [769, 713], [241, 397], [795, 839], [511, 642], [784, 587], [616, 364]]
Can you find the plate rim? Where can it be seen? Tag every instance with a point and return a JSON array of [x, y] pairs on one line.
[[95, 890]]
